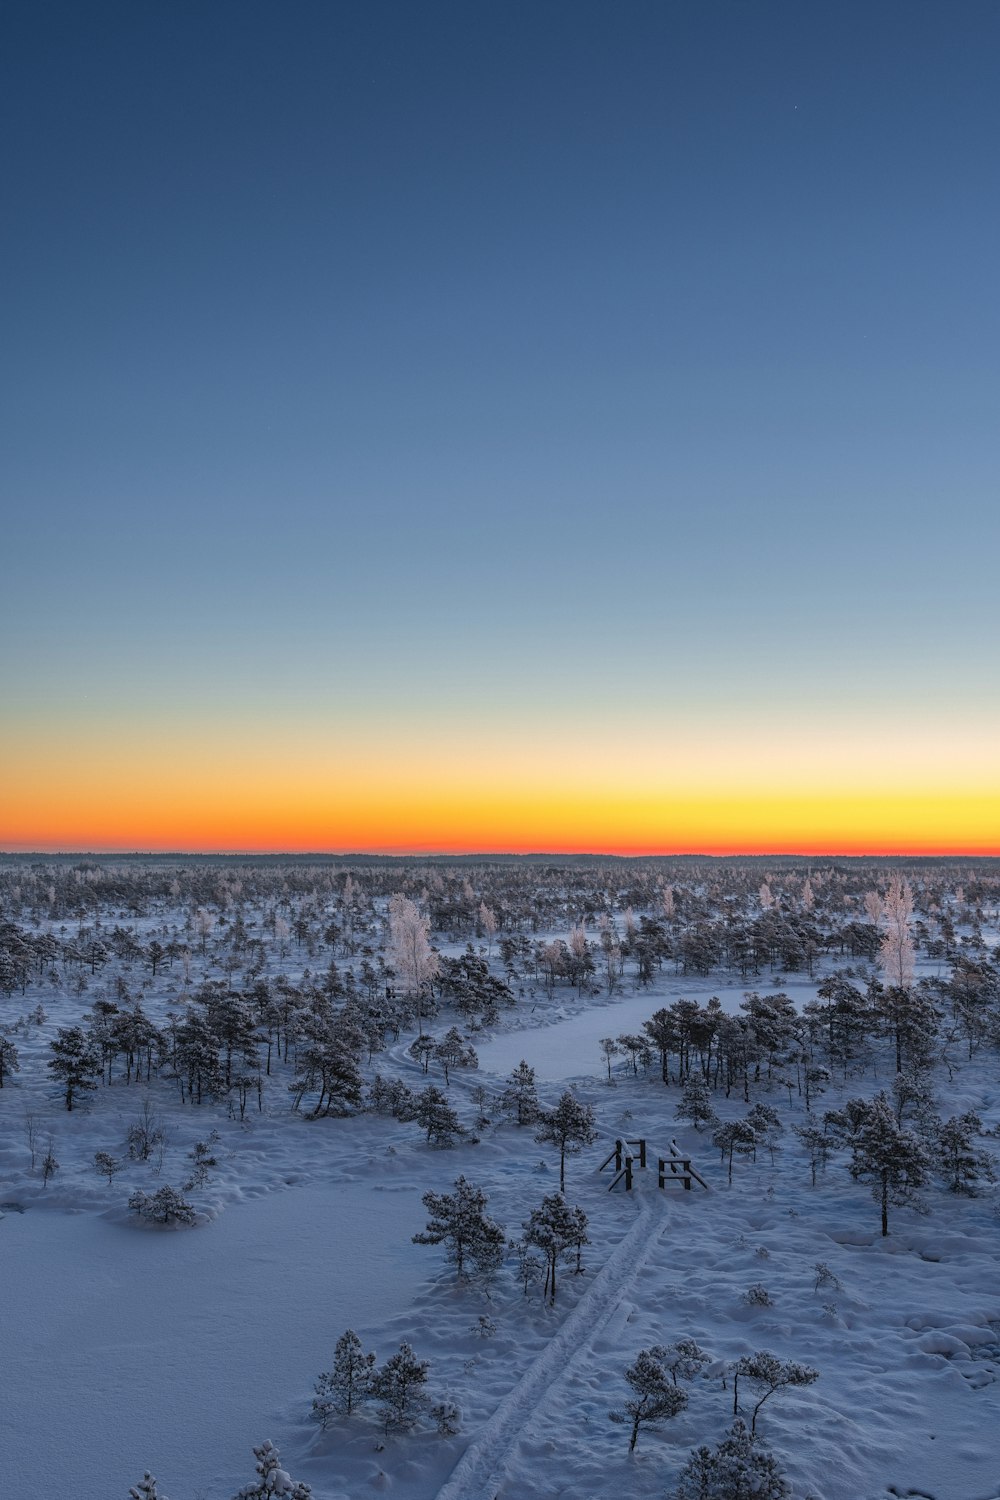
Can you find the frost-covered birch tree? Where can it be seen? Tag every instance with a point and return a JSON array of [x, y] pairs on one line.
[[410, 952]]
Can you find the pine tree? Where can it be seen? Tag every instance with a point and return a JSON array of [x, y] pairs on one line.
[[570, 1127], [963, 1167], [818, 1143], [272, 1478], [695, 1102], [329, 1065], [447, 1417], [734, 1136], [460, 1222], [909, 1018], [340, 1389], [683, 1360], [74, 1063], [609, 1049], [912, 1099], [740, 1468], [165, 1206], [520, 1097], [696, 1480], [9, 1060], [391, 1096], [453, 1052], [107, 1165], [767, 1373], [399, 1386], [891, 1159], [433, 1113], [555, 1228], [765, 1122], [657, 1397]]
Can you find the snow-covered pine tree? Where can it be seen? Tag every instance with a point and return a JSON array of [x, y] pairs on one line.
[[765, 1122], [459, 1221], [272, 1478], [734, 1136], [636, 1049], [447, 1417], [165, 1206], [452, 1051], [913, 1101], [963, 1166], [555, 1228], [399, 1387], [739, 1468], [891, 1159], [817, 1143], [107, 1165], [74, 1062], [695, 1102], [908, 1016], [347, 1383], [529, 1267], [767, 1373], [683, 1360], [328, 1064], [391, 1096], [433, 1113], [422, 1049], [520, 1097], [488, 922], [569, 1127], [609, 1049], [656, 1396], [9, 1060]]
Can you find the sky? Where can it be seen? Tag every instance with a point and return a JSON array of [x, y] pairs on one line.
[[479, 426]]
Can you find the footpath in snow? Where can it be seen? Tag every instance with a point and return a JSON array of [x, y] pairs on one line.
[[479, 1472]]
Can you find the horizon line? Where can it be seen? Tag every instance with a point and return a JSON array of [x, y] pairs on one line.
[[487, 854]]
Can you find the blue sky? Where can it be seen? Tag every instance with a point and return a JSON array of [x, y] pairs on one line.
[[427, 360]]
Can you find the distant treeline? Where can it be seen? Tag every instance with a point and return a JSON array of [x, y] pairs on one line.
[[553, 861]]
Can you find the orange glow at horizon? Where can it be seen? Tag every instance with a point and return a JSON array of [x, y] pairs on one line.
[[431, 790], [355, 817]]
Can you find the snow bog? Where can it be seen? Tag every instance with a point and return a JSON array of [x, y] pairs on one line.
[[566, 1043], [127, 1348]]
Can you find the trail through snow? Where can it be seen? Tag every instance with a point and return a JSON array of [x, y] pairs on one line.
[[479, 1472]]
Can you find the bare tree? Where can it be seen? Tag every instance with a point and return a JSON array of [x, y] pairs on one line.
[[31, 1135]]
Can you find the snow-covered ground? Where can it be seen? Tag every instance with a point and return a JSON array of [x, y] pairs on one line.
[[126, 1348]]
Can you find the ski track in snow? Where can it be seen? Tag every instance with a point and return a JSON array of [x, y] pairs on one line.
[[479, 1472]]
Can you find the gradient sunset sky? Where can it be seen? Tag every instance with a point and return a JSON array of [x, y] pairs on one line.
[[500, 425]]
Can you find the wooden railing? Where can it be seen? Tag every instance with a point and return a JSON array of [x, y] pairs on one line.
[[673, 1168]]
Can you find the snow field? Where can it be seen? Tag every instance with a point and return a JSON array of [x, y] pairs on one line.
[[126, 1348]]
